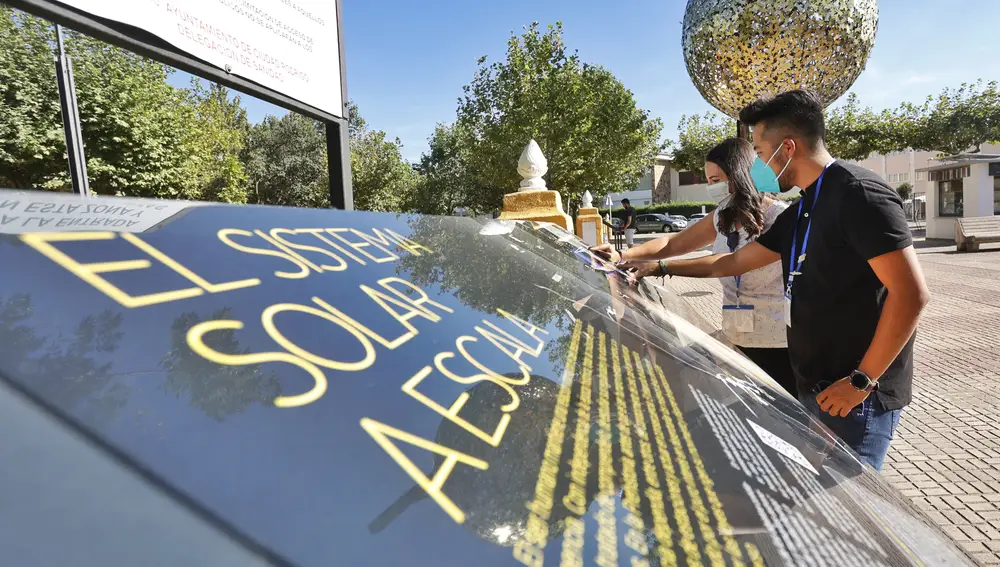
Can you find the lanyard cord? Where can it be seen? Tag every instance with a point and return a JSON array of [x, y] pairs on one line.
[[796, 260]]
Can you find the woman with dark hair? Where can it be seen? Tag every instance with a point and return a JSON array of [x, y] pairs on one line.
[[753, 304]]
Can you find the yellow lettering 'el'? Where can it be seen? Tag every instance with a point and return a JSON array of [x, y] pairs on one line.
[[382, 433], [196, 341], [191, 276], [267, 321], [40, 241]]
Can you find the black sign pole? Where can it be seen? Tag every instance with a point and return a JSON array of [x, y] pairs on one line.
[[71, 118], [338, 143], [148, 45]]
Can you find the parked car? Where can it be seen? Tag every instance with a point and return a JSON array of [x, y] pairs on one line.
[[656, 222], [697, 217]]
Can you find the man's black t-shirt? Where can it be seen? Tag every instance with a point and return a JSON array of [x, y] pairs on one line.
[[629, 217], [837, 300]]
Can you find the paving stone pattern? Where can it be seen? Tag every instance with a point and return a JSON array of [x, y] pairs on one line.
[[946, 453]]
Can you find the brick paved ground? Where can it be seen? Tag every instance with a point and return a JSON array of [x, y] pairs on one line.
[[946, 455]]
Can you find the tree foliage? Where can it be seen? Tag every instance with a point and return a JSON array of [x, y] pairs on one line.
[[586, 122], [956, 121], [286, 162], [697, 134]]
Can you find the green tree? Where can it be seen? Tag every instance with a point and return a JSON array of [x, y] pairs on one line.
[[32, 149], [216, 170], [697, 134], [285, 161], [446, 182], [135, 126], [383, 180], [905, 190], [586, 122], [960, 120]]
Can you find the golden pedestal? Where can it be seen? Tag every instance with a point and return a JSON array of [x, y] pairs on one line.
[[590, 226], [540, 206]]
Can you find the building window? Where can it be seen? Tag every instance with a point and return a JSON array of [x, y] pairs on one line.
[[689, 178], [949, 174], [893, 178], [921, 175], [950, 198], [904, 177]]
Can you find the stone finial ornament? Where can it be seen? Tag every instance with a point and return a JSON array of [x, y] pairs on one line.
[[532, 166]]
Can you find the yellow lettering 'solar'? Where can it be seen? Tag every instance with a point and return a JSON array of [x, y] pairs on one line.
[[393, 284], [410, 245], [196, 341], [360, 246], [226, 234], [384, 434], [409, 311], [267, 321], [341, 263], [451, 413], [89, 272]]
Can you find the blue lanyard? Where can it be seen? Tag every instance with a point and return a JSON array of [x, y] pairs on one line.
[[797, 259], [739, 278]]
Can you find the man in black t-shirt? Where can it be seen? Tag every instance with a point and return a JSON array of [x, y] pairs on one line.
[[853, 286], [629, 223]]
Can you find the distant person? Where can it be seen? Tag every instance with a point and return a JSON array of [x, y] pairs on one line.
[[854, 289], [629, 224], [752, 305]]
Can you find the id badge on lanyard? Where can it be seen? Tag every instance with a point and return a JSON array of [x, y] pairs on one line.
[[737, 318], [798, 257]]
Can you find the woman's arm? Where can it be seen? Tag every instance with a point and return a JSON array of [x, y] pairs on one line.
[[694, 237]]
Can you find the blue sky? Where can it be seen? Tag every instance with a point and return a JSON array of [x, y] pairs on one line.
[[407, 61]]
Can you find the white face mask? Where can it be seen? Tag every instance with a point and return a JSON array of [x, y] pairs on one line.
[[718, 192]]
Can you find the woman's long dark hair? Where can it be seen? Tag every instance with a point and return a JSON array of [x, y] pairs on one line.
[[735, 157]]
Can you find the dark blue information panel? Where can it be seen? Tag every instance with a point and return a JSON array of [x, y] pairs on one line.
[[374, 389]]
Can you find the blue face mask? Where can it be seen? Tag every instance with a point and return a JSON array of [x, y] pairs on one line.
[[763, 177]]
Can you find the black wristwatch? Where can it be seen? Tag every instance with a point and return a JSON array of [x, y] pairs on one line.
[[862, 382]]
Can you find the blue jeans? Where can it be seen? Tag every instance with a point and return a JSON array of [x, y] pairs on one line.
[[868, 429]]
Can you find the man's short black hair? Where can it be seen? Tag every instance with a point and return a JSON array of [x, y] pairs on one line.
[[626, 202], [799, 111]]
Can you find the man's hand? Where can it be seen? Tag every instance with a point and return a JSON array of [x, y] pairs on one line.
[[607, 252], [840, 398]]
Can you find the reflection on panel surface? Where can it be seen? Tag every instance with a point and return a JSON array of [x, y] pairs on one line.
[[372, 389]]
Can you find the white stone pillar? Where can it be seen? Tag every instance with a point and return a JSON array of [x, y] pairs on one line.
[[978, 191]]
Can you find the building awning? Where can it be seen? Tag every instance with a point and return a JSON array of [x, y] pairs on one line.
[[959, 160]]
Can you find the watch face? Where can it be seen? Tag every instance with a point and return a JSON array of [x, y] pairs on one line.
[[860, 381]]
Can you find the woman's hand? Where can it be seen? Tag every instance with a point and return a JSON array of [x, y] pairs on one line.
[[607, 252], [640, 270]]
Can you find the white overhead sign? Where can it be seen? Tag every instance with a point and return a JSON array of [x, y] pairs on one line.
[[289, 46]]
